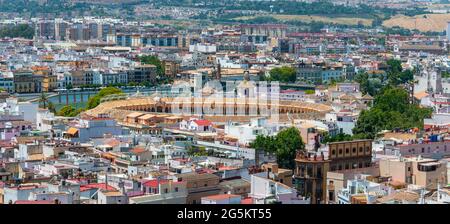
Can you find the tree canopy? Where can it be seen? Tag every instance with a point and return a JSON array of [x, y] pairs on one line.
[[394, 76], [153, 60], [391, 110], [21, 30], [67, 111], [338, 138], [282, 74], [395, 72], [284, 145], [95, 100]]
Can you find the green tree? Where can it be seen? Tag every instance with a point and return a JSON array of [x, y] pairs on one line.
[[51, 107], [21, 30], [391, 110], [310, 91], [264, 143], [283, 74], [196, 151], [67, 111], [132, 84], [338, 138], [371, 86], [288, 143], [284, 145], [395, 73], [95, 100], [43, 101], [153, 60]]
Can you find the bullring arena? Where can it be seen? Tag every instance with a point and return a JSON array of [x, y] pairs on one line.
[[154, 104]]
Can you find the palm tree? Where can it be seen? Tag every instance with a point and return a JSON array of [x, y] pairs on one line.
[[44, 100]]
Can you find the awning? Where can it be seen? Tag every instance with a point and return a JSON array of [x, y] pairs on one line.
[[72, 131]]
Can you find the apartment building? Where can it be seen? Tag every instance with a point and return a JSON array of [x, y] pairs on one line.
[[142, 73], [310, 176], [350, 154], [26, 82], [199, 186], [419, 171]]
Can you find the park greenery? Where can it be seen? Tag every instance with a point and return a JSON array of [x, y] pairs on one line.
[[23, 31], [282, 74], [284, 145], [391, 110]]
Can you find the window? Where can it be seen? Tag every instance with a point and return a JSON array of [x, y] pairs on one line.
[[309, 171], [333, 152], [176, 189], [340, 151], [354, 150], [166, 190], [360, 149], [347, 150], [333, 168], [423, 150]]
